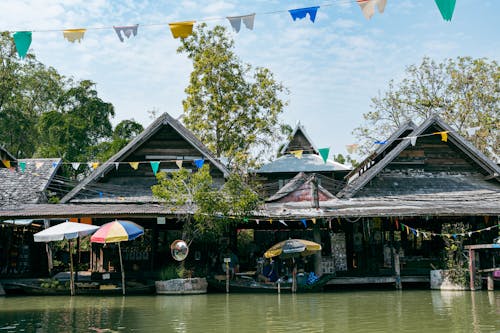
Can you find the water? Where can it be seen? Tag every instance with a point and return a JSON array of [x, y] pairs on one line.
[[363, 311]]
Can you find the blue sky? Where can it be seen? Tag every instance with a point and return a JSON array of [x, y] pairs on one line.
[[333, 67]]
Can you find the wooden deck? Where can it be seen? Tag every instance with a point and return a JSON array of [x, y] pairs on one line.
[[371, 280]]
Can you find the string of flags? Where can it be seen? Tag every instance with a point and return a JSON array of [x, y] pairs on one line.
[[23, 39], [426, 234], [323, 152], [155, 165]]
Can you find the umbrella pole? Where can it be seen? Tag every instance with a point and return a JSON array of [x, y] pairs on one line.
[[71, 276], [121, 266]]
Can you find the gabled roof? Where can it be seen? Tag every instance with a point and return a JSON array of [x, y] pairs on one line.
[[390, 144], [5, 155], [163, 120], [467, 148], [17, 187], [308, 163], [299, 134], [299, 189]]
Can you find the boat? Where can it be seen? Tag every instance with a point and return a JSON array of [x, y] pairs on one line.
[[249, 285], [82, 289]]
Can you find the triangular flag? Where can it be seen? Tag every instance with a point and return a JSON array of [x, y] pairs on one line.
[[297, 153], [38, 165], [301, 13], [324, 152], [22, 39], [235, 21], [352, 148], [73, 35], [413, 140], [313, 220], [117, 164], [444, 135], [368, 7], [304, 222], [446, 7], [181, 29], [95, 165], [75, 165], [270, 221], [155, 166], [283, 222], [380, 142], [6, 163], [257, 221], [126, 30], [199, 163], [134, 165], [22, 166], [89, 164], [179, 164], [54, 164]]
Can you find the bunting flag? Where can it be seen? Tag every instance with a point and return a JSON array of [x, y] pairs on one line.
[[89, 164], [75, 165], [444, 135], [6, 163], [73, 35], [297, 153], [301, 13], [179, 164], [95, 165], [38, 165], [181, 29], [22, 166], [22, 39], [134, 165], [283, 222], [352, 148], [257, 221], [154, 167], [199, 163], [117, 164], [304, 222], [313, 220], [127, 31], [248, 21], [380, 142], [413, 140], [368, 7], [54, 164], [324, 152], [446, 7]]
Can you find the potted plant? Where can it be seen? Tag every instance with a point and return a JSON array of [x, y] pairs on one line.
[[455, 273]]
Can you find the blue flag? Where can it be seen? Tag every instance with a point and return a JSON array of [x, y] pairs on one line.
[[301, 13], [304, 222], [199, 163]]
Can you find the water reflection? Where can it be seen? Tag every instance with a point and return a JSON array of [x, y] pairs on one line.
[[407, 311]]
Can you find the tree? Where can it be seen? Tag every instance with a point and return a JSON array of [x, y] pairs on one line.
[[233, 109], [209, 211], [464, 91]]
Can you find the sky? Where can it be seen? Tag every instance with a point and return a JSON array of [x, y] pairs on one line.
[[332, 67]]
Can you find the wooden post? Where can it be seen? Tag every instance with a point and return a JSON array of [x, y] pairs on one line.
[[472, 269], [317, 255], [123, 270], [227, 261], [397, 269], [71, 275], [48, 250], [491, 283]]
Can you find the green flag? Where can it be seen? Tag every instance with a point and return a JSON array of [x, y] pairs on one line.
[[324, 152], [446, 7], [155, 166], [22, 39], [22, 166]]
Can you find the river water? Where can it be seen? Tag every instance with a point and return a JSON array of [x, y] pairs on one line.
[[354, 311]]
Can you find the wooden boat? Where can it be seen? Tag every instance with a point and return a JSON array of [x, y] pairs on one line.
[[247, 285], [83, 289]]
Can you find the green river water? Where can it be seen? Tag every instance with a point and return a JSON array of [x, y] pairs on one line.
[[354, 311]]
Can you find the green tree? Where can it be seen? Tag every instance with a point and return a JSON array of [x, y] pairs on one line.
[[232, 108], [464, 91], [208, 210]]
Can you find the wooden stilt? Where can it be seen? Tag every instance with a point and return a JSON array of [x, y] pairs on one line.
[[123, 270], [491, 283], [397, 270], [71, 275], [472, 269]]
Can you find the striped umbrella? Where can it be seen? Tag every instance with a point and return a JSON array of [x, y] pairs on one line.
[[116, 232]]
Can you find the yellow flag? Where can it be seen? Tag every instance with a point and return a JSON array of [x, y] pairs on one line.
[[73, 35], [181, 29], [313, 220], [6, 163], [95, 165], [352, 148], [297, 153], [134, 165], [38, 165], [444, 136]]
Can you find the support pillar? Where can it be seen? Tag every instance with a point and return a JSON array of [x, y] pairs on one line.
[[491, 283], [397, 269], [317, 255], [472, 269]]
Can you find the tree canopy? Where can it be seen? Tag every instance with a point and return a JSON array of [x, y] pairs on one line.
[[232, 108], [465, 92]]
